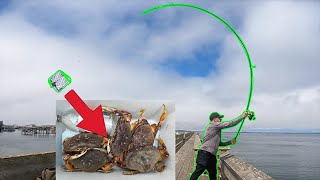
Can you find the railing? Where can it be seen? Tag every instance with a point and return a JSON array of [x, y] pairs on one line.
[[232, 167]]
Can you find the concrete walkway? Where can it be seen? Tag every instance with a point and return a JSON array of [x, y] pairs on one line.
[[185, 160], [27, 166]]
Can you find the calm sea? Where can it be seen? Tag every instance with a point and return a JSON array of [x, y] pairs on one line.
[[13, 143], [282, 156]]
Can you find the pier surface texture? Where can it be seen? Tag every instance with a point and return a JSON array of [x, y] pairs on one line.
[[25, 167], [230, 166]]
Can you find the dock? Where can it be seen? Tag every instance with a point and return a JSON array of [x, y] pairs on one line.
[[230, 166], [6, 128], [42, 130]]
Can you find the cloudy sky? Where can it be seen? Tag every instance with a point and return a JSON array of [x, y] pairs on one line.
[[112, 51]]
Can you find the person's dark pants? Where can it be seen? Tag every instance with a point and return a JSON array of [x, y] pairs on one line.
[[205, 161]]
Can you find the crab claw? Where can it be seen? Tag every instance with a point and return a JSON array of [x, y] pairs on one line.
[[159, 167]]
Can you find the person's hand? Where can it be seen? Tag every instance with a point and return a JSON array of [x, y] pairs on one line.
[[233, 141], [245, 114]]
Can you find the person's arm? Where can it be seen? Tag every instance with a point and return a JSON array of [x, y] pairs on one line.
[[225, 143], [233, 141], [221, 125]]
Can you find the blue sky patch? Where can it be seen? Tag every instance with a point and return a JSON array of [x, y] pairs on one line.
[[53, 20], [200, 64], [4, 4]]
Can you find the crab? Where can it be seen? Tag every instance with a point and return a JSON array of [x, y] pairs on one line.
[[84, 141], [86, 152], [141, 155], [121, 136], [89, 160]]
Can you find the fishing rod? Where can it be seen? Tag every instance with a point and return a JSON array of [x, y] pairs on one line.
[[251, 114]]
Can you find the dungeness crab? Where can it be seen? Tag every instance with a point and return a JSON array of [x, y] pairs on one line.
[[86, 152], [121, 137], [141, 155], [83, 141]]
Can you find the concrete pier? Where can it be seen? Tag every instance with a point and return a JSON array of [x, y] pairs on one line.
[[25, 167], [230, 166], [181, 139], [185, 160]]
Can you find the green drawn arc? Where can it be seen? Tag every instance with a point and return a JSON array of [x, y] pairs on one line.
[[251, 67]]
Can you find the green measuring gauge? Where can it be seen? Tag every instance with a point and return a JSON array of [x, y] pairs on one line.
[[59, 80]]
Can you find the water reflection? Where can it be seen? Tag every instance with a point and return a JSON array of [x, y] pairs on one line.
[[13, 143]]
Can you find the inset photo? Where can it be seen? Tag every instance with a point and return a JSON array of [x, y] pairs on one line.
[[140, 141]]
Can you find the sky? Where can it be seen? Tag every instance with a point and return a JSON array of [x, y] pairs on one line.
[[112, 52]]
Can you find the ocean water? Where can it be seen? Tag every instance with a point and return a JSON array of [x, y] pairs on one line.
[[13, 143], [282, 156]]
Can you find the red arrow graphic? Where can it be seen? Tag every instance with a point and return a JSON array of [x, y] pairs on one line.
[[92, 120]]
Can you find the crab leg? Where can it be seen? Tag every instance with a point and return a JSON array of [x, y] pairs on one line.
[[134, 124], [109, 110], [113, 111], [121, 157], [105, 142], [163, 151], [156, 127], [164, 114], [120, 161], [130, 172], [69, 166], [142, 111], [107, 167], [128, 117]]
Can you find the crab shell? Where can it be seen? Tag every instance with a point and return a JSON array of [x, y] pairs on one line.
[[122, 137], [83, 141], [142, 159], [90, 160], [142, 135]]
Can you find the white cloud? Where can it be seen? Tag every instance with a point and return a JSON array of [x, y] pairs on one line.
[[111, 60]]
